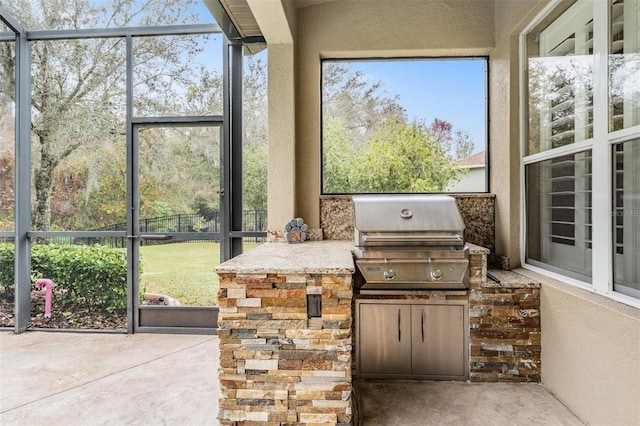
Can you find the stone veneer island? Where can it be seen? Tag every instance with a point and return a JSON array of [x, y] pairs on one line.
[[279, 362], [286, 336]]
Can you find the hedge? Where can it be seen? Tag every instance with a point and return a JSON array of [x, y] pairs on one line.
[[82, 275]]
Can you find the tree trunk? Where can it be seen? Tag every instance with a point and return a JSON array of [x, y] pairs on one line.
[[43, 186]]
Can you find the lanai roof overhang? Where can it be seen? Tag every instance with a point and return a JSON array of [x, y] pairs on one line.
[[255, 22]]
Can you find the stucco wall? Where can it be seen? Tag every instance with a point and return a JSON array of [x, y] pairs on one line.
[[378, 28], [590, 353], [372, 28], [504, 132]]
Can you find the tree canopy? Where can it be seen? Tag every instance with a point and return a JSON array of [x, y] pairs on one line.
[[369, 145], [79, 153], [78, 114]]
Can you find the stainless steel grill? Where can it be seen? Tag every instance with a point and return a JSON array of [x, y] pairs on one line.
[[407, 242]]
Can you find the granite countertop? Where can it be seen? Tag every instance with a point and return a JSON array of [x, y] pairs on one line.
[[311, 257], [510, 279], [476, 249]]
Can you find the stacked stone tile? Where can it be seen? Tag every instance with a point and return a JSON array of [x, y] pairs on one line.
[[504, 320], [277, 365]]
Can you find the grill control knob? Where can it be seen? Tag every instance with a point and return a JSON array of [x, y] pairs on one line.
[[406, 214], [436, 274], [389, 274]]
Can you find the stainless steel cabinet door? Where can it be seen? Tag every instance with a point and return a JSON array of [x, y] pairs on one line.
[[385, 339], [438, 340]]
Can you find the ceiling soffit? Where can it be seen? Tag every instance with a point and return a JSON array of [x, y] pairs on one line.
[[241, 16]]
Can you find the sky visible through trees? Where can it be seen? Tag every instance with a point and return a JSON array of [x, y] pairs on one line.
[[78, 123], [400, 125], [450, 90]]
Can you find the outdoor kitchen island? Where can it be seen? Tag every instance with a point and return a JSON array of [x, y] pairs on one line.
[[286, 335]]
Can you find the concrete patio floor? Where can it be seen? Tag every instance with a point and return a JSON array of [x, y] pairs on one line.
[[55, 378]]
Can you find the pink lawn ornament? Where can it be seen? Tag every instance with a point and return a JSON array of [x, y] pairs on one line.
[[48, 286]]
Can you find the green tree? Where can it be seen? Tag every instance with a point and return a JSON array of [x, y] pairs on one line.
[[370, 146], [404, 158], [7, 170], [6, 193], [361, 103], [339, 157], [206, 97], [255, 177], [255, 134], [78, 89]]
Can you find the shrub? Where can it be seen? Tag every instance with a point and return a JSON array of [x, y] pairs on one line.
[[6, 266], [82, 275]]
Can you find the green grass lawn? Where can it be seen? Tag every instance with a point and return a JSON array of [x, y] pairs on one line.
[[184, 271]]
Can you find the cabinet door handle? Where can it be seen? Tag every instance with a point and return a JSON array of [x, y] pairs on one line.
[[422, 324], [399, 324]]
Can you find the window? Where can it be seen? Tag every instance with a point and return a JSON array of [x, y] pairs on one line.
[[624, 65], [581, 167], [561, 82], [404, 125], [559, 213], [626, 217]]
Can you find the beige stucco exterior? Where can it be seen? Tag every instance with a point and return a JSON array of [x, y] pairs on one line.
[[378, 28], [504, 131], [373, 29], [590, 344], [590, 353], [277, 21]]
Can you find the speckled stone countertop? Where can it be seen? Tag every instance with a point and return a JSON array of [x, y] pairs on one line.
[[310, 257], [510, 279], [476, 249]]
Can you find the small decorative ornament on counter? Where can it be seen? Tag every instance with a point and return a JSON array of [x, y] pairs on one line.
[[296, 231]]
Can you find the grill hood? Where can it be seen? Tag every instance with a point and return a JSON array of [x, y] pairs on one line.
[[409, 242], [393, 220]]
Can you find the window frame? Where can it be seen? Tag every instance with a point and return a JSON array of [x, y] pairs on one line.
[[601, 145], [487, 117], [625, 218]]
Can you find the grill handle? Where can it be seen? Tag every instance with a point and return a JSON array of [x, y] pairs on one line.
[[412, 238]]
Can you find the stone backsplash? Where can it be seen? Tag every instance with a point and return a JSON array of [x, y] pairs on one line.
[[477, 210]]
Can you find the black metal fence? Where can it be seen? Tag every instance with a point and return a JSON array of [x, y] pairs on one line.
[[174, 223], [253, 221]]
